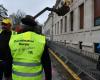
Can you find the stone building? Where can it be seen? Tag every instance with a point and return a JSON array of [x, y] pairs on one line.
[[79, 28]]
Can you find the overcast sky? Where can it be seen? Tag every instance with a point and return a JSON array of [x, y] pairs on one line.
[[30, 7]]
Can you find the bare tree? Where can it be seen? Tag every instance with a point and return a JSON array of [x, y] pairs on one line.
[[16, 17], [3, 12], [19, 15]]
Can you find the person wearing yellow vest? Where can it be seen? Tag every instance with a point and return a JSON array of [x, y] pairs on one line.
[[30, 53], [5, 56]]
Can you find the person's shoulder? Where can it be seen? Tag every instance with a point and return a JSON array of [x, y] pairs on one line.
[[6, 32]]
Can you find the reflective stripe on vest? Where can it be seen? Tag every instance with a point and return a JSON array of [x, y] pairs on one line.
[[27, 49], [27, 74], [26, 64]]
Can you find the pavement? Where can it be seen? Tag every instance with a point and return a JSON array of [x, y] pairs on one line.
[[55, 74], [79, 61], [58, 71]]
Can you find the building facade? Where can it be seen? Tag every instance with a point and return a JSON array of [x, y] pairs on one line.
[[79, 28], [47, 28]]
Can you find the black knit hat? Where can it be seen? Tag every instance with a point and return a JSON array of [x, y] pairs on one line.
[[29, 24], [29, 20]]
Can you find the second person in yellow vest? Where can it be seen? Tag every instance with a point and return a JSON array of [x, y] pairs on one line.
[[5, 56]]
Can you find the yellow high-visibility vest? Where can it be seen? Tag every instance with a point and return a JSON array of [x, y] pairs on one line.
[[26, 49]]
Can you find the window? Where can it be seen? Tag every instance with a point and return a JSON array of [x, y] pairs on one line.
[[61, 27], [97, 48], [58, 28], [82, 16], [55, 28], [71, 21], [96, 12], [65, 24]]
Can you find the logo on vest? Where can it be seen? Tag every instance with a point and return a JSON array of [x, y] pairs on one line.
[[25, 46]]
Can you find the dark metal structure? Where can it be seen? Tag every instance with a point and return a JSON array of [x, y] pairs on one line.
[[60, 11]]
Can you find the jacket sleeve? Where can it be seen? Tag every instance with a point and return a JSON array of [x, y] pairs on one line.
[[46, 62], [4, 47]]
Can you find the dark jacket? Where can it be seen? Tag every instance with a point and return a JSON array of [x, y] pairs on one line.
[[5, 56], [4, 47], [46, 62]]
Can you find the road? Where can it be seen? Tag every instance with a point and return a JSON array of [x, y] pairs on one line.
[[79, 61]]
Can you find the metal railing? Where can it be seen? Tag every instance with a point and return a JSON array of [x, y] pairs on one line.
[[90, 55]]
